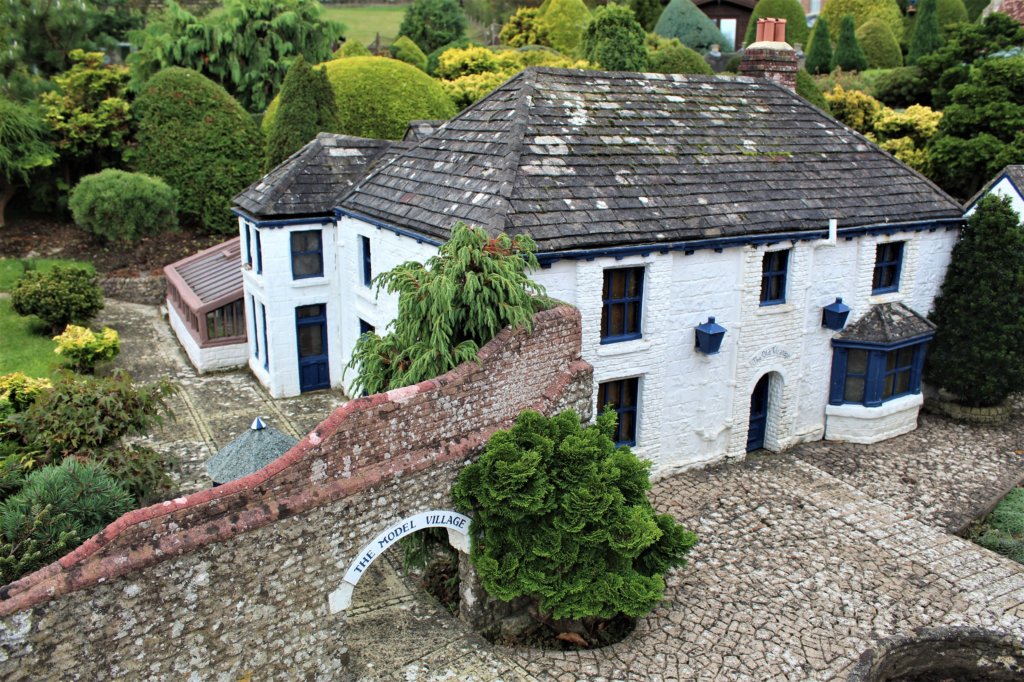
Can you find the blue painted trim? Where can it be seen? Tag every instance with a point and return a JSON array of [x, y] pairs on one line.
[[319, 252], [621, 338], [873, 345], [626, 301], [266, 347], [367, 260], [259, 253], [420, 239], [875, 373], [991, 186], [768, 275], [896, 265], [284, 222], [620, 410]]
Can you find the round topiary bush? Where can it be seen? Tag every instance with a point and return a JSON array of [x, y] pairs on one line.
[[683, 20], [352, 48], [880, 45], [122, 207], [200, 141], [58, 297], [790, 10], [863, 10], [377, 97], [902, 87], [666, 55], [404, 50]]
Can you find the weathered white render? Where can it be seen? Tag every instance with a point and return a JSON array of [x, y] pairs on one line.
[[1003, 185], [209, 359]]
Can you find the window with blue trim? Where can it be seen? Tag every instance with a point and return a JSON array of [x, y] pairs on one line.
[[888, 263], [773, 277], [871, 374], [364, 252], [307, 254], [259, 253], [248, 244], [255, 334], [365, 327], [623, 396], [266, 347], [622, 307]]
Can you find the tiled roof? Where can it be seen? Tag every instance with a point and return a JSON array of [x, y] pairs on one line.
[[887, 323], [250, 452], [214, 273], [1016, 175], [311, 180], [586, 159]]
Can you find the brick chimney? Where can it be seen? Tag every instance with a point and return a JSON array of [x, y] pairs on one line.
[[770, 56]]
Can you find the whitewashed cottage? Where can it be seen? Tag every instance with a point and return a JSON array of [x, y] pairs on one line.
[[704, 227], [1009, 183]]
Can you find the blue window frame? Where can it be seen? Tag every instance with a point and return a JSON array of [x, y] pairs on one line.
[[365, 327], [623, 395], [773, 277], [364, 252], [266, 346], [307, 254], [888, 263], [622, 308], [248, 244], [259, 253], [255, 332], [871, 374]]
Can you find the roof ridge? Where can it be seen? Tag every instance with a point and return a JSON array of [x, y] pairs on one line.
[[524, 103]]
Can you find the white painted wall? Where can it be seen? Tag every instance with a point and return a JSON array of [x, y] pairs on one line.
[[206, 359], [1006, 188]]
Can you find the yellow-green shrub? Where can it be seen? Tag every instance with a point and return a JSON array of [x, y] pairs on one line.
[[84, 349], [466, 90], [854, 108], [20, 390]]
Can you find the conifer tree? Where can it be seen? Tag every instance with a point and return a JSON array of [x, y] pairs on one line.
[[790, 10], [614, 40], [819, 53], [646, 12], [684, 20], [848, 55], [561, 515], [565, 22], [306, 108], [926, 38], [978, 352]]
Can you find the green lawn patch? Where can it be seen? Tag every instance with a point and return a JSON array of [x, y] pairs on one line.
[[26, 347], [1002, 531], [364, 22], [11, 269]]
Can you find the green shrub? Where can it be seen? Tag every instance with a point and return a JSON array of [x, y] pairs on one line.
[[83, 348], [404, 50], [848, 54], [561, 515], [565, 22], [524, 28], [196, 137], [57, 509], [465, 90], [433, 23], [140, 470], [306, 107], [123, 207], [666, 55], [377, 97], [790, 10], [926, 38], [646, 12], [808, 89], [819, 53], [20, 390], [60, 297], [1003, 530], [854, 108], [448, 308], [977, 353], [880, 45], [902, 87], [352, 48], [467, 61], [683, 20], [435, 56], [862, 10], [614, 40], [975, 8]]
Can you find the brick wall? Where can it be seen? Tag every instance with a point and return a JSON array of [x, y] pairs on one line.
[[236, 578]]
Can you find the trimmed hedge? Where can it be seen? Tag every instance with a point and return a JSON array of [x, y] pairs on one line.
[[377, 97], [565, 22], [200, 140], [668, 55], [863, 10], [808, 89], [683, 20], [790, 10], [58, 297], [614, 40], [902, 87], [880, 45], [122, 207], [404, 50], [352, 48]]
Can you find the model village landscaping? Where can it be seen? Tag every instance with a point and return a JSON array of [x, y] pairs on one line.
[[559, 267]]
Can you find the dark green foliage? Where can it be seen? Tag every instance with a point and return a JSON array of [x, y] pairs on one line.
[[433, 57], [978, 352], [926, 38], [377, 97], [614, 40], [902, 87], [982, 130], [122, 207], [433, 23], [862, 10], [306, 108], [24, 147], [646, 12], [140, 470], [683, 20], [84, 415], [848, 55], [666, 55], [561, 515], [808, 89], [352, 48], [819, 54], [448, 308], [565, 22], [58, 508], [200, 141], [975, 8], [1003, 530], [790, 10], [246, 47], [879, 45], [59, 297], [409, 52], [524, 28]]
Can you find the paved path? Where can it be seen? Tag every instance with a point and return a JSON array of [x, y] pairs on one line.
[[806, 559]]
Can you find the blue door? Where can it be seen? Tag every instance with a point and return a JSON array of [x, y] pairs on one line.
[[758, 415], [311, 338]]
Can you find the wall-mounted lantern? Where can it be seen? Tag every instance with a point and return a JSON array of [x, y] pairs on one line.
[[834, 315], [709, 337]]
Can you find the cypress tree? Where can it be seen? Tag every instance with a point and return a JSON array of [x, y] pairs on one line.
[[978, 352], [926, 38], [790, 10], [306, 107], [848, 55], [614, 40], [819, 54]]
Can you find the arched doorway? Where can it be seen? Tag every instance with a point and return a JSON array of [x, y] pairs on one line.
[[759, 399]]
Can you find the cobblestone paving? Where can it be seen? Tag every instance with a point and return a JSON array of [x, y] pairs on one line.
[[806, 560]]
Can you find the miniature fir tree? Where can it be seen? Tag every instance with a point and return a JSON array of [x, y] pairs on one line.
[[926, 38], [306, 108], [819, 54], [565, 22], [848, 55], [614, 40], [978, 352]]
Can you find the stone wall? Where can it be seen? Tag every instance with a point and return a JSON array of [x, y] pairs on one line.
[[234, 580]]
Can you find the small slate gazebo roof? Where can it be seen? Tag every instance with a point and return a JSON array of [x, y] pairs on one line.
[[886, 324], [256, 448]]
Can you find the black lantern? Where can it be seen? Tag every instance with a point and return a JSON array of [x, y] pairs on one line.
[[709, 337], [834, 315]]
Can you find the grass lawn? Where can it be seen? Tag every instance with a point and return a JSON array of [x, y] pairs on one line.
[[363, 22], [26, 346], [12, 268]]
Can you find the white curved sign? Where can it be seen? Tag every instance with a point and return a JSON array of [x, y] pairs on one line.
[[456, 523]]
